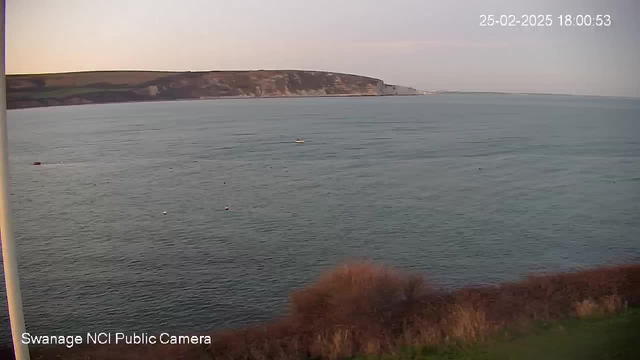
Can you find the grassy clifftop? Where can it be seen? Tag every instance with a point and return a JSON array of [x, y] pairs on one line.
[[596, 337], [25, 91]]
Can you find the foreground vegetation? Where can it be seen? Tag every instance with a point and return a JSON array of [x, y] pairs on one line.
[[595, 337], [368, 310]]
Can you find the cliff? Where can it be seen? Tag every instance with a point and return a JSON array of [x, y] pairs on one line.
[[24, 91]]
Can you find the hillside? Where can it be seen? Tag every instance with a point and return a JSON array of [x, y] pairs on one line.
[[24, 91]]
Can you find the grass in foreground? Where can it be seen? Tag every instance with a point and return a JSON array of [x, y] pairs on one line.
[[616, 337], [365, 310]]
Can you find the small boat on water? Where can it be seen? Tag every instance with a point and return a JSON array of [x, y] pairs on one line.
[[298, 141]]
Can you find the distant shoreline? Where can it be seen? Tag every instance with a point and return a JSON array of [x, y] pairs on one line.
[[523, 94], [218, 98], [326, 96], [100, 87]]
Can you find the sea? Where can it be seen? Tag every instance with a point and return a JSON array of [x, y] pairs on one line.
[[123, 227]]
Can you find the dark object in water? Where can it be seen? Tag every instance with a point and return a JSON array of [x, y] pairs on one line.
[[37, 163]]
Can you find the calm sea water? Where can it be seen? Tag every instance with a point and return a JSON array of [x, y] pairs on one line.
[[464, 189]]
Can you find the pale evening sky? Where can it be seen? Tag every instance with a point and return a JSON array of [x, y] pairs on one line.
[[430, 45]]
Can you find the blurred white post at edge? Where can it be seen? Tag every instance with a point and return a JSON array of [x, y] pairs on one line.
[[12, 281]]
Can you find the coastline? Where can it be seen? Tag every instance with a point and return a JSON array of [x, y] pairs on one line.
[[42, 90], [219, 98]]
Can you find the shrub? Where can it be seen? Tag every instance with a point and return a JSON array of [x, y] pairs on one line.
[[361, 308], [609, 304]]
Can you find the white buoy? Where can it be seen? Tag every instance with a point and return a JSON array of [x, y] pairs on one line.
[[226, 208], [164, 213]]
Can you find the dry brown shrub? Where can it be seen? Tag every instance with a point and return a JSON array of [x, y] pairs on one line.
[[333, 345], [467, 324], [419, 334], [613, 304], [587, 307], [609, 304], [362, 296], [367, 309], [372, 346]]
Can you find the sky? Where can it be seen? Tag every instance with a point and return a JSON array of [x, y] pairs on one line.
[[430, 45]]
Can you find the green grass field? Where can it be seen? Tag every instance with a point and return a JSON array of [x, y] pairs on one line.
[[594, 338]]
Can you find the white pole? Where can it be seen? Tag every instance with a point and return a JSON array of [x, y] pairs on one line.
[[14, 299]]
